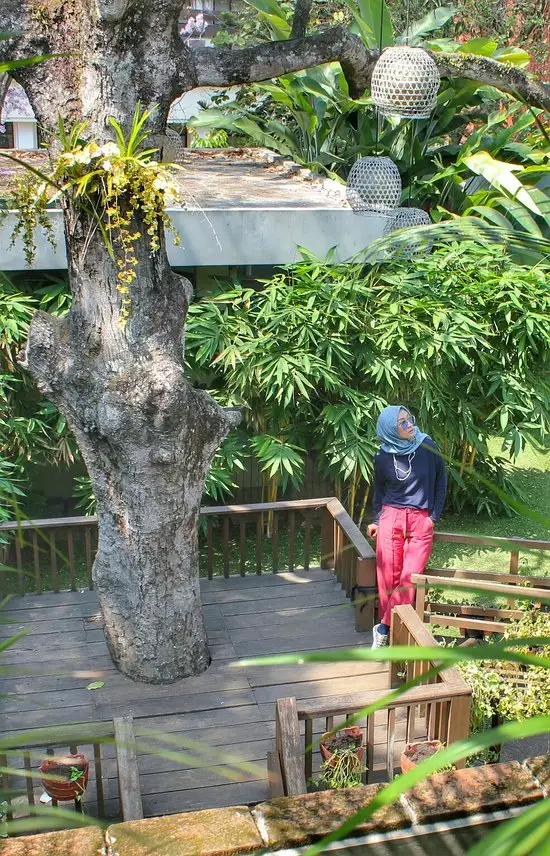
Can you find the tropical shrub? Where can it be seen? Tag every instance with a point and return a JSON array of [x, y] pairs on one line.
[[481, 152], [461, 337], [31, 428]]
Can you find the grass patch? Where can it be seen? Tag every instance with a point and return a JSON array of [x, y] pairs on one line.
[[531, 473]]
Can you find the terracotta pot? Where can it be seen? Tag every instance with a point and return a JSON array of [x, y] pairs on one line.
[[432, 745], [352, 731], [61, 767]]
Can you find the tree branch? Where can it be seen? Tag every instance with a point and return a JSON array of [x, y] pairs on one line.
[[501, 75], [226, 67], [302, 9]]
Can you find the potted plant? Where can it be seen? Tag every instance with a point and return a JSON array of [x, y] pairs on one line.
[[343, 770], [416, 752], [65, 778], [342, 753], [346, 738]]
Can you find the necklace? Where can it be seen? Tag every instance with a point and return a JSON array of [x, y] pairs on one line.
[[403, 475]]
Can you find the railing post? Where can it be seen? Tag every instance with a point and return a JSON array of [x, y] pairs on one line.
[[289, 746], [365, 594], [420, 601], [398, 636], [459, 722], [128, 771], [327, 540]]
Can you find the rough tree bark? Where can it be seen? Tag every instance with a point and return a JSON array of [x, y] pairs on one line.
[[146, 435]]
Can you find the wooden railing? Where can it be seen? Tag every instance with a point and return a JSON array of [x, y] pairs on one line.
[[26, 753], [513, 546], [486, 619], [438, 710], [56, 554]]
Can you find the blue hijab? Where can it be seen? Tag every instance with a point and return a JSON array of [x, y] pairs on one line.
[[386, 431]]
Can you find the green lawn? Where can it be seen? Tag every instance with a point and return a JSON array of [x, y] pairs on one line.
[[532, 475]]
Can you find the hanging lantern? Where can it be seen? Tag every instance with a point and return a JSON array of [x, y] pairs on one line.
[[374, 186], [405, 82], [170, 145], [405, 218]]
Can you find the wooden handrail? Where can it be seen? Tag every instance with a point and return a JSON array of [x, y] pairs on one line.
[[475, 616], [492, 541], [362, 547], [344, 549], [425, 580], [405, 617], [206, 511], [352, 703], [48, 523], [364, 550], [72, 732], [466, 574]]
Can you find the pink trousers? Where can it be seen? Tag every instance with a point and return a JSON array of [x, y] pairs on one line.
[[403, 545]]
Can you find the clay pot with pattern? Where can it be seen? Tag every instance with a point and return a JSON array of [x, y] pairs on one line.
[[65, 778]]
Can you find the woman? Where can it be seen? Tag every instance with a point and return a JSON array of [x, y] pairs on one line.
[[409, 494]]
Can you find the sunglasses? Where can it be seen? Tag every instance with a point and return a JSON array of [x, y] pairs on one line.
[[404, 423]]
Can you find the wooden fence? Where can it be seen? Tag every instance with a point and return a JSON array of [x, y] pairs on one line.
[[52, 554], [438, 710], [25, 752]]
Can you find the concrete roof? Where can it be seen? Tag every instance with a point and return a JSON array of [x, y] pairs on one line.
[[254, 178], [229, 178], [239, 207]]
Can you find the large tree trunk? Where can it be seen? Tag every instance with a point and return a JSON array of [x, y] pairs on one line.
[[147, 438], [146, 435]]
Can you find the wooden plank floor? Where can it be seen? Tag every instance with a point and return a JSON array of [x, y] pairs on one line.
[[229, 708]]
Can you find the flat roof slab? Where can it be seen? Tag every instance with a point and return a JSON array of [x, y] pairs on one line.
[[238, 207]]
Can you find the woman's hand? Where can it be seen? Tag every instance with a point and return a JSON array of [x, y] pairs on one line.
[[372, 529]]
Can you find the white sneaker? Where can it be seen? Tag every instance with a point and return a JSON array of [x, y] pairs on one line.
[[379, 640]]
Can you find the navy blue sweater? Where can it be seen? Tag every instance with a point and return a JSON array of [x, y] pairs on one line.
[[425, 487]]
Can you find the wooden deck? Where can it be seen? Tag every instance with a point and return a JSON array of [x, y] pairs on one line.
[[229, 708]]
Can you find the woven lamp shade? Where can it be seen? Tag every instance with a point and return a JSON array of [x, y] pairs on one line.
[[405, 82], [374, 186], [405, 218], [170, 144]]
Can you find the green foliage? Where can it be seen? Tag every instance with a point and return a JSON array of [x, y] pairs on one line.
[[84, 495], [520, 21], [31, 428], [343, 770], [500, 690], [215, 140], [117, 185], [461, 337], [229, 458], [310, 117]]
